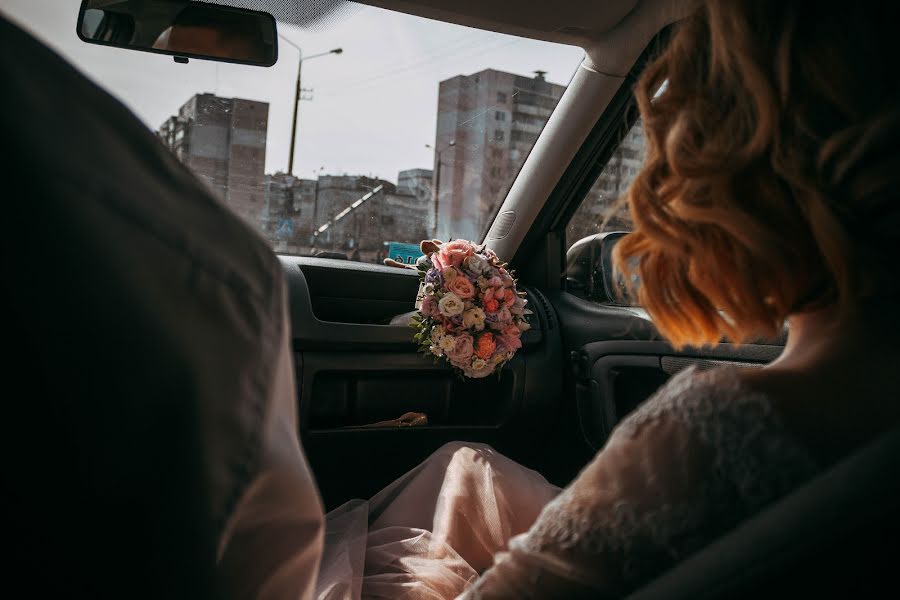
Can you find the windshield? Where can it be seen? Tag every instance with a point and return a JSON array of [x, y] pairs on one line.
[[406, 128]]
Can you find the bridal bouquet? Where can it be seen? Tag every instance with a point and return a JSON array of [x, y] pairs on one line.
[[470, 313]]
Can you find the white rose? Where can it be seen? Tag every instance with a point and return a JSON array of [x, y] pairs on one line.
[[447, 343], [476, 264], [451, 305], [473, 317]]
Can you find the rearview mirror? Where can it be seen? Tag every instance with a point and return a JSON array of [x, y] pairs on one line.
[[181, 28]]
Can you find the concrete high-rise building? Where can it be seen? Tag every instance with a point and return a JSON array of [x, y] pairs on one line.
[[486, 125], [223, 141], [598, 211]]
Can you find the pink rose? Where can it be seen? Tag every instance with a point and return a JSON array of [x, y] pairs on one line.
[[509, 298], [512, 331], [504, 316], [510, 342], [488, 295], [454, 253], [491, 305], [495, 282], [430, 307], [462, 287], [463, 349]]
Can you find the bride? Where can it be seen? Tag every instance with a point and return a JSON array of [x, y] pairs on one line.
[[769, 195]]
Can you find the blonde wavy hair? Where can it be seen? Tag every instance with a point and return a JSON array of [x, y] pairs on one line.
[[772, 173]]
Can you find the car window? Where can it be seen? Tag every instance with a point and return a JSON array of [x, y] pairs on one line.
[[415, 129], [602, 209]]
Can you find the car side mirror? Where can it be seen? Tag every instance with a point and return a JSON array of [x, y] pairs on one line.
[[181, 28], [590, 273]]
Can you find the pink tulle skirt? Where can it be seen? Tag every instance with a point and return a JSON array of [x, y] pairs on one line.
[[430, 533]]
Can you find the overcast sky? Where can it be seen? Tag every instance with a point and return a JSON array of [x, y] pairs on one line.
[[374, 106]]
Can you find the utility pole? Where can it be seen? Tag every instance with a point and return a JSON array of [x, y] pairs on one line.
[[296, 111], [297, 95], [436, 192]]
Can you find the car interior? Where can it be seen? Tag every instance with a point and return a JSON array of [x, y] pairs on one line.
[[591, 356]]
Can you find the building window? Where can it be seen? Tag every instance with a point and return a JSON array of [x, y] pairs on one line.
[[500, 115], [501, 97], [495, 171], [497, 153], [524, 136], [499, 135]]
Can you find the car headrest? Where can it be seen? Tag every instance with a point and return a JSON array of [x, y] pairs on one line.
[[832, 535]]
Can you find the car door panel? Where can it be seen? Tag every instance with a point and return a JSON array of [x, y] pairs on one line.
[[618, 360], [354, 368]]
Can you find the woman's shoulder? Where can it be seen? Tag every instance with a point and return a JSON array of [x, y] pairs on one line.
[[697, 398], [738, 422]]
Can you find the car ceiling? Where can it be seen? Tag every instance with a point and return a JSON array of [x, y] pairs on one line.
[[573, 22], [589, 25]]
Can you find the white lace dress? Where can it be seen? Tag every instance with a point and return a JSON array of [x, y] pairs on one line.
[[692, 462]]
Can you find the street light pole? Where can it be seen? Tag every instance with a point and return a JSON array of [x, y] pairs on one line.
[[297, 93], [437, 184], [296, 110]]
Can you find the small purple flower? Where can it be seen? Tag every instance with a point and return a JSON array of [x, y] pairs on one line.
[[434, 276]]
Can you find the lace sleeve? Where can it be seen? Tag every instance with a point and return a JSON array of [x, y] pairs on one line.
[[692, 462]]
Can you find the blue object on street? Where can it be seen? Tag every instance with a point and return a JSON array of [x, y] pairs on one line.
[[404, 253]]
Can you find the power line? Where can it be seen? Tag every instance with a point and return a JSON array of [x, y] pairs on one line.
[[365, 84]]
